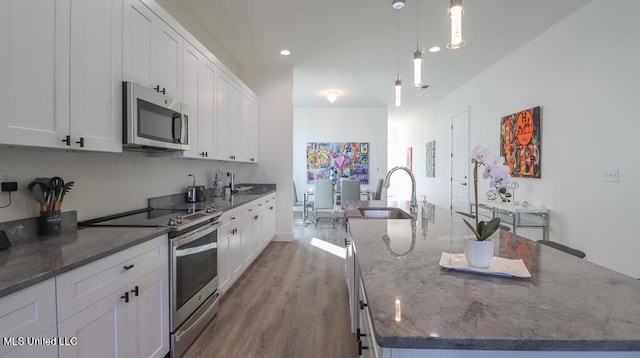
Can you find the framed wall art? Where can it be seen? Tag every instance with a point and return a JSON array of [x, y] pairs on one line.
[[431, 159], [338, 160], [520, 142]]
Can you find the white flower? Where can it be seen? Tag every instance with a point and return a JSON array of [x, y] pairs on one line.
[[480, 154]]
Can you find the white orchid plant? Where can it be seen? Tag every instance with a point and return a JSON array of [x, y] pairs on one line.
[[500, 178]]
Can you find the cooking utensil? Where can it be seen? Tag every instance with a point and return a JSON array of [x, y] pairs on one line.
[[55, 190], [65, 189], [39, 188]]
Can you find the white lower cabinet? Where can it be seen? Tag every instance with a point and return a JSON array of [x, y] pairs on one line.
[[117, 306], [231, 257], [29, 313]]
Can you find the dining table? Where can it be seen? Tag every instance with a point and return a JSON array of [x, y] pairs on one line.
[[365, 194]]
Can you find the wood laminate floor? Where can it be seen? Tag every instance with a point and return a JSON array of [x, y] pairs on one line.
[[291, 302]]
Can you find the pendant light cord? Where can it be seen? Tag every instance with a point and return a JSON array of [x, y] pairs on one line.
[[398, 47], [417, 25]]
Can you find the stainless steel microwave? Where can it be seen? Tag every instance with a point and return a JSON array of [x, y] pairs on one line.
[[152, 120]]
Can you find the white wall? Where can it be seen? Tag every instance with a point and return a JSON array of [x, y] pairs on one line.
[[584, 73], [340, 125], [105, 183]]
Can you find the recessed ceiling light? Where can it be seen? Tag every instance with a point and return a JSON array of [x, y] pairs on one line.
[[285, 52], [434, 49]]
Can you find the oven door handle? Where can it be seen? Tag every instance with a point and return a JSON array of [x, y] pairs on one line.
[[194, 235]]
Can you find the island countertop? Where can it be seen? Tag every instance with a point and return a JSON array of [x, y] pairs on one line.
[[568, 304]]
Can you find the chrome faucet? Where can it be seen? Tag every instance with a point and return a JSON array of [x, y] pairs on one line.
[[414, 202]]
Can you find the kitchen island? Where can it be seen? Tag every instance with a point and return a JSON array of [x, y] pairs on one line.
[[567, 308]]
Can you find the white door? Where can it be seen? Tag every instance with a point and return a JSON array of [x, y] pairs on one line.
[[460, 162], [166, 59], [222, 141], [190, 92]]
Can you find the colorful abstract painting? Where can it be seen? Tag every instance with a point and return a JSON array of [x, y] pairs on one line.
[[431, 159], [520, 142], [338, 160]]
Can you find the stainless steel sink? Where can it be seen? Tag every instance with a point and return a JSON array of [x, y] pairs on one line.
[[384, 213]]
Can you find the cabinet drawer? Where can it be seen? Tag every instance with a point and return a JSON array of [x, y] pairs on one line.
[[27, 313], [86, 285]]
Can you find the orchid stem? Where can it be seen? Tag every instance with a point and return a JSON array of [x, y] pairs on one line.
[[475, 189]]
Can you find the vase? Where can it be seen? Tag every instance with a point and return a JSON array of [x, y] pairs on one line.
[[478, 253]]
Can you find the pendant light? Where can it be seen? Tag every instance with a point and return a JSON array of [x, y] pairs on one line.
[[455, 12], [417, 56], [397, 93]]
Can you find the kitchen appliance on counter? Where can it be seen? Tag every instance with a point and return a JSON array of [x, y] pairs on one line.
[[193, 265], [152, 120], [195, 193], [218, 184]]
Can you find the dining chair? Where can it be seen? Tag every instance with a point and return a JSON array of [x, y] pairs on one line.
[[350, 189], [323, 199], [297, 203], [378, 194]]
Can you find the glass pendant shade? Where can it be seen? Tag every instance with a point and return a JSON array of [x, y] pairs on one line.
[[397, 93], [417, 68], [455, 12]]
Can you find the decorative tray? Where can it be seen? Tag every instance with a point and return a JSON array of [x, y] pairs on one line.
[[499, 266]]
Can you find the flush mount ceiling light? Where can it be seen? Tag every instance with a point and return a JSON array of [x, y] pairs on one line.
[[285, 52], [332, 97], [455, 12], [397, 4], [434, 49]]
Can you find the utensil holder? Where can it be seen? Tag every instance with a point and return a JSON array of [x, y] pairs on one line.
[[50, 222]]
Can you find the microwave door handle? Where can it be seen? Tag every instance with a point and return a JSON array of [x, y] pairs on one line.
[[177, 129]]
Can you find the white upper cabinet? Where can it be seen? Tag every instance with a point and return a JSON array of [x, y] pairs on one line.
[[96, 75], [198, 79], [228, 136], [250, 128], [61, 72], [152, 50], [34, 51]]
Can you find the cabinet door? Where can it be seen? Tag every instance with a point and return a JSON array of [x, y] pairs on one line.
[[235, 248], [224, 267], [152, 50], [236, 137], [137, 37], [248, 236], [207, 94], [269, 220], [253, 117], [96, 75], [190, 97], [27, 313], [222, 140], [166, 59], [34, 69], [249, 133], [100, 329], [148, 315]]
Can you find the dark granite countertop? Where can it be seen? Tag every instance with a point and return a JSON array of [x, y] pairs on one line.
[[568, 304], [33, 258]]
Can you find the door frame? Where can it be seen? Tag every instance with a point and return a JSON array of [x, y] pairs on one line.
[[467, 142]]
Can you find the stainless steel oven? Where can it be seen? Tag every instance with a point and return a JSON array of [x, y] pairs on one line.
[[194, 283]]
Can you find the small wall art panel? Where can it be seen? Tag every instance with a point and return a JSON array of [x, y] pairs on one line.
[[520, 142], [431, 159], [338, 160]]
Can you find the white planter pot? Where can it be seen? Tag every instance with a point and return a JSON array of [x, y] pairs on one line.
[[478, 253]]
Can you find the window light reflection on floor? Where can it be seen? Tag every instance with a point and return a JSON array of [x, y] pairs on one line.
[[329, 247]]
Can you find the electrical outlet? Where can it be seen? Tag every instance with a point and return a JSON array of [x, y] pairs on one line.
[[610, 175], [7, 175]]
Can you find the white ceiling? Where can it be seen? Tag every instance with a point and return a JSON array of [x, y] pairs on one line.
[[351, 46]]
